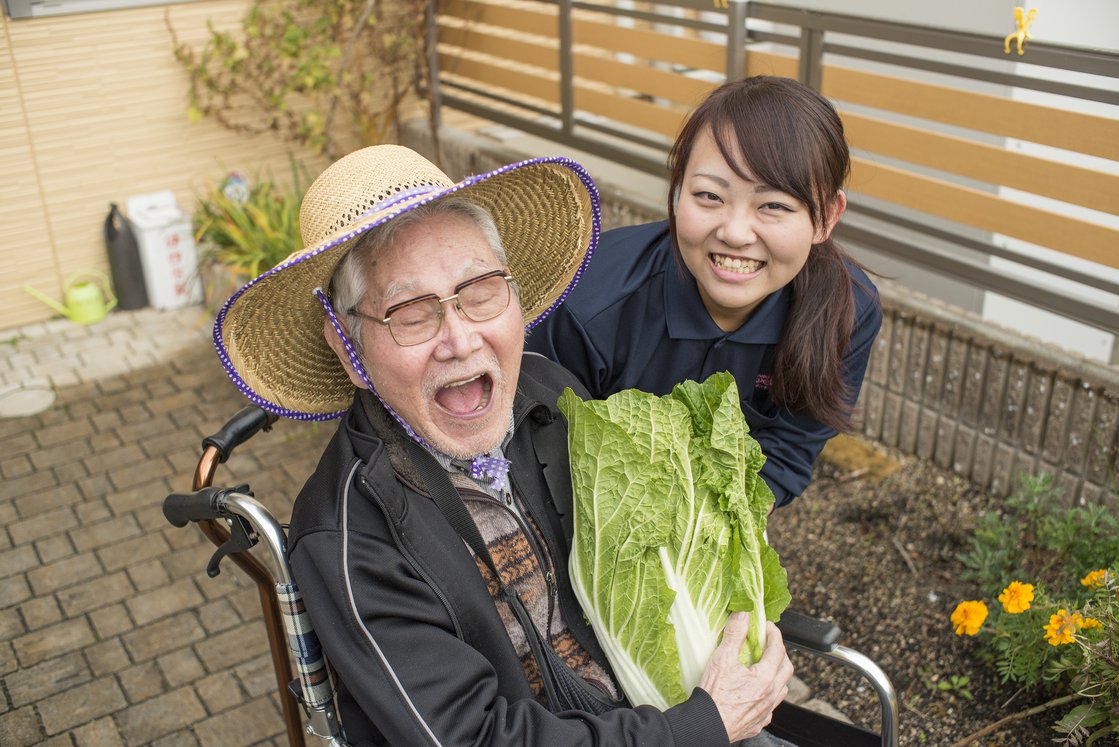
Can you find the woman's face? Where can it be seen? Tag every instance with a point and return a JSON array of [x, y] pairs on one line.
[[741, 239]]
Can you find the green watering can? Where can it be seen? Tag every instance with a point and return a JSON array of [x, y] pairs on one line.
[[87, 295]]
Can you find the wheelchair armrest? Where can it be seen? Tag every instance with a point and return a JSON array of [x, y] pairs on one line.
[[809, 632], [821, 638]]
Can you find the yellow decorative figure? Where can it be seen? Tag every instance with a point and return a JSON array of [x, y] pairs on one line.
[[1022, 20]]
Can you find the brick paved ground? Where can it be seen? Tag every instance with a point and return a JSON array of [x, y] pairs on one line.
[[111, 633]]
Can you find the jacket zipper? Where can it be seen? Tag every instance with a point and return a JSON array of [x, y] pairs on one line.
[[368, 490], [542, 557], [540, 547]]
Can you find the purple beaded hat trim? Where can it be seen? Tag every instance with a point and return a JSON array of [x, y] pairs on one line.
[[433, 194]]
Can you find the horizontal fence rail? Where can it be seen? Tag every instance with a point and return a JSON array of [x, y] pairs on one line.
[[960, 152], [942, 384]]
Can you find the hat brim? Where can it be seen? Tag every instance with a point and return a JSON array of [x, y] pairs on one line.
[[269, 335]]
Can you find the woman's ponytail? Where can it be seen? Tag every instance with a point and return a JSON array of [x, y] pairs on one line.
[[808, 366]]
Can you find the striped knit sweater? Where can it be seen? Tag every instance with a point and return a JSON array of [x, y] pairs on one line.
[[522, 560]]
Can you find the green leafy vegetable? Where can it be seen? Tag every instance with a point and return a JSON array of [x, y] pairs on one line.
[[669, 521]]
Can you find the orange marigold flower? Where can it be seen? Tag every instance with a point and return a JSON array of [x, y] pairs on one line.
[[1095, 579], [968, 617], [1016, 598], [1062, 627], [1091, 622]]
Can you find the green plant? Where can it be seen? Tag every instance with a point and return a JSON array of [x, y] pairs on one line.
[[668, 532], [953, 684], [249, 226], [1036, 537], [1059, 634], [1094, 674], [331, 74]]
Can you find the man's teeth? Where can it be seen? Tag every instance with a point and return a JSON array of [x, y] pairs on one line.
[[464, 382], [486, 389], [734, 264]]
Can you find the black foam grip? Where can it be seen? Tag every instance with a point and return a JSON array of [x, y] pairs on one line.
[[239, 429], [818, 635], [183, 508]]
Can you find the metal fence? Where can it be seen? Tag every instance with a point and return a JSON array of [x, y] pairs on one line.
[[967, 161]]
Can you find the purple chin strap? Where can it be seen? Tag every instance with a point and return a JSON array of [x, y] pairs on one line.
[[495, 469], [482, 467]]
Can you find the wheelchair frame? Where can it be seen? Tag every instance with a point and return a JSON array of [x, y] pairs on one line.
[[235, 521]]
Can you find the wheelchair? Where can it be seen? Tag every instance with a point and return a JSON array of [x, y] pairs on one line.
[[236, 522]]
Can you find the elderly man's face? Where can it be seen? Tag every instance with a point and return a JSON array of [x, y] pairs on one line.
[[456, 390]]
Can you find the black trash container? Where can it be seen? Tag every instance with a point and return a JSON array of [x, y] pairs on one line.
[[125, 264]]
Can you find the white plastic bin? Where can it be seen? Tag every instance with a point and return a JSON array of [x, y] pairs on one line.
[[166, 240]]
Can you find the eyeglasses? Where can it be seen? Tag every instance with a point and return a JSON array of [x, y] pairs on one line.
[[418, 320]]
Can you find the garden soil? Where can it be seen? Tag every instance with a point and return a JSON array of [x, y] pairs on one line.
[[873, 545]]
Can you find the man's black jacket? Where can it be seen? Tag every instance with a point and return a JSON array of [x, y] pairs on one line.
[[404, 616]]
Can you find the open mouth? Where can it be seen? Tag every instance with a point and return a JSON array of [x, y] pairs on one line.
[[467, 396], [736, 264]]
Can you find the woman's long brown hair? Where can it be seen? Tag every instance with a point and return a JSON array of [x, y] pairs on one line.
[[791, 138]]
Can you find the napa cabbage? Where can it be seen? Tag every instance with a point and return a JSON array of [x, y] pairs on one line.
[[669, 515]]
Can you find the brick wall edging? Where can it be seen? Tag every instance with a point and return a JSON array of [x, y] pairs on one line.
[[988, 403], [1101, 375]]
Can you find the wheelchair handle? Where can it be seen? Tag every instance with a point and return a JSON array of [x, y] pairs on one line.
[[238, 429], [182, 508], [809, 632]]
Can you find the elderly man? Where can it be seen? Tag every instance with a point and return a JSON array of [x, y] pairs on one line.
[[431, 543]]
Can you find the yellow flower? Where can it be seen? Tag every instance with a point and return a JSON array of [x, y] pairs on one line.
[[1091, 622], [968, 617], [1095, 579], [1016, 598], [1062, 627]]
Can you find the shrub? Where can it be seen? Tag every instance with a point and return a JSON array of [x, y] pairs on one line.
[[333, 75], [249, 227]]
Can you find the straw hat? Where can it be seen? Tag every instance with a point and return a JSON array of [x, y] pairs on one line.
[[269, 335]]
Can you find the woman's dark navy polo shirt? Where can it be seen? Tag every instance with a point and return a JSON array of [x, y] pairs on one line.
[[637, 321]]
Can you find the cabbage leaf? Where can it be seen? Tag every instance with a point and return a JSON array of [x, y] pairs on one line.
[[669, 519]]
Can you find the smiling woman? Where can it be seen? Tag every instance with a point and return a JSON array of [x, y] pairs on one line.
[[743, 277], [740, 238]]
